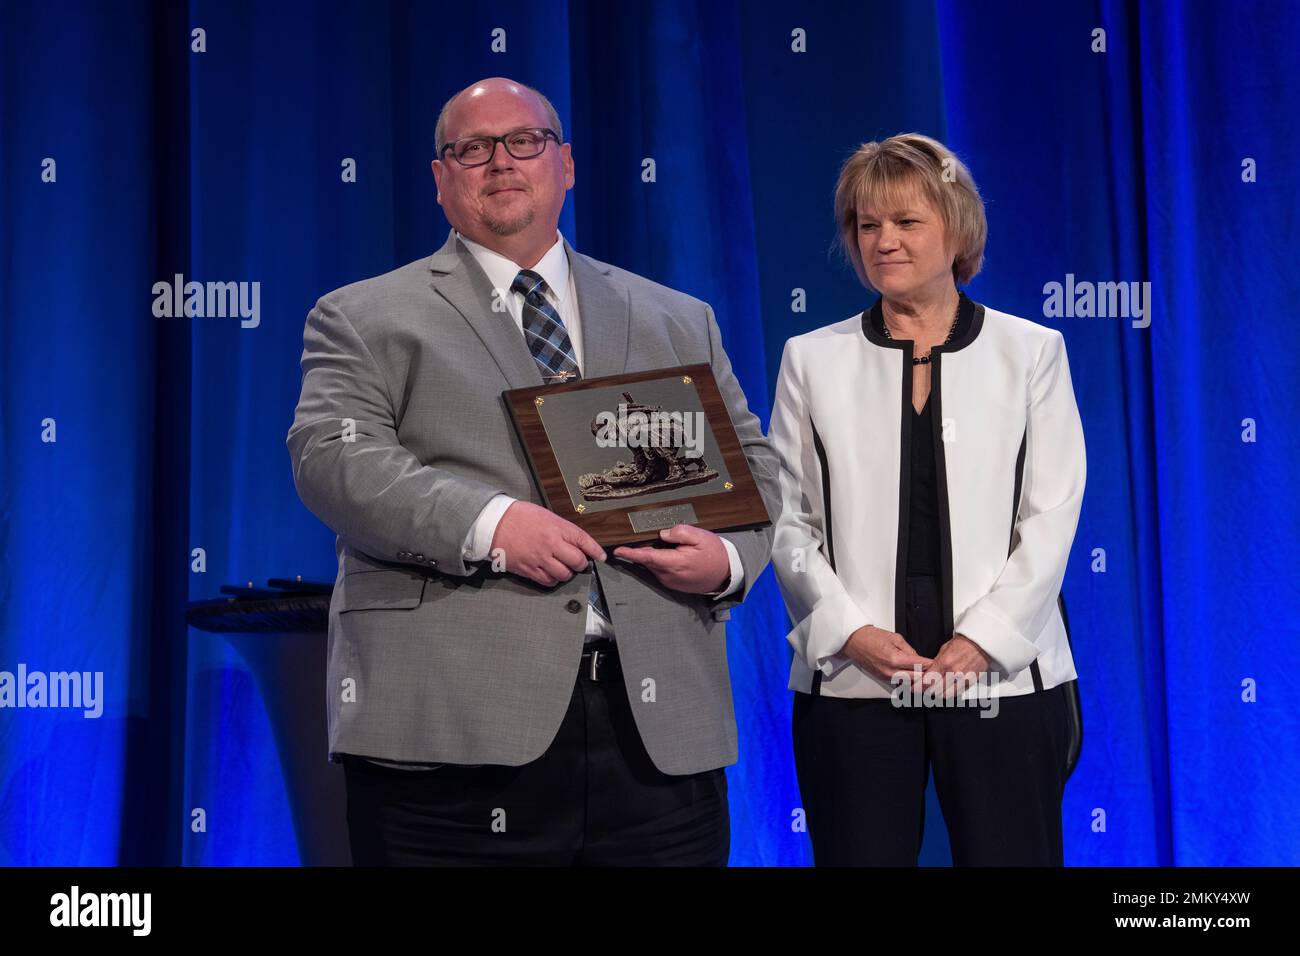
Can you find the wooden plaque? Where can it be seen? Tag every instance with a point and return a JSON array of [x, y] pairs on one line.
[[623, 470]]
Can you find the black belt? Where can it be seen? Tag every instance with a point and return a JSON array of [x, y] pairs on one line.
[[600, 661]]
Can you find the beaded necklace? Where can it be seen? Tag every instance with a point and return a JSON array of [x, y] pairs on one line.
[[926, 357]]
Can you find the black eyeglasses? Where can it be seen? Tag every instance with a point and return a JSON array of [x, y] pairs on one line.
[[519, 143]]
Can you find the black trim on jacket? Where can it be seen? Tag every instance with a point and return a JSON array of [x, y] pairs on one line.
[[826, 492], [829, 536], [1034, 670], [971, 314]]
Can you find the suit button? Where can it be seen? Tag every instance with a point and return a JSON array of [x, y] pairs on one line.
[[419, 557], [403, 554], [573, 607]]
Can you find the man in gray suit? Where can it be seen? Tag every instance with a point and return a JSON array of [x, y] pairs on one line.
[[500, 689]]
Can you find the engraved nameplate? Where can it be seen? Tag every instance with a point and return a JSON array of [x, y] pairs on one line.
[[656, 519]]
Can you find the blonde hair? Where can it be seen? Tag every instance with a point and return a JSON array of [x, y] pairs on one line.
[[880, 174]]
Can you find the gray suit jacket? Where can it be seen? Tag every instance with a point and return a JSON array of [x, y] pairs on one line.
[[436, 661]]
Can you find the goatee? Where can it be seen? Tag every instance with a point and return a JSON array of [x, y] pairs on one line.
[[508, 227]]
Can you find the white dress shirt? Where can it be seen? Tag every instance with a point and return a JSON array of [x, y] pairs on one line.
[[554, 268]]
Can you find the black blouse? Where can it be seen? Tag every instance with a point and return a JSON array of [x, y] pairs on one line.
[[923, 517]]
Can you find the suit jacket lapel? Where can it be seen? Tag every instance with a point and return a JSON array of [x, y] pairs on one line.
[[466, 287], [604, 311]]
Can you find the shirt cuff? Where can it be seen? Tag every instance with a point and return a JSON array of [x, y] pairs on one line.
[[737, 579], [479, 540]]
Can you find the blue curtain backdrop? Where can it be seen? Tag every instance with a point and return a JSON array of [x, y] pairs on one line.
[[1165, 157]]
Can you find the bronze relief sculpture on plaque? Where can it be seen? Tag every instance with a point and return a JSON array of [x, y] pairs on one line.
[[655, 466]]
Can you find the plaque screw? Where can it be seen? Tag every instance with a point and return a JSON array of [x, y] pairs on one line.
[[728, 486], [686, 380], [581, 508], [538, 400]]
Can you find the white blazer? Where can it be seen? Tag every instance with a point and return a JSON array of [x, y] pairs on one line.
[[1010, 467]]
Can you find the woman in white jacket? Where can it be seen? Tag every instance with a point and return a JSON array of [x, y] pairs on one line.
[[932, 474]]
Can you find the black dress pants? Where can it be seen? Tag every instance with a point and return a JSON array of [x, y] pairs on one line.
[[863, 766], [594, 798]]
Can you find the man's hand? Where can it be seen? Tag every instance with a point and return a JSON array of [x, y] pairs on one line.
[[958, 655], [697, 565], [541, 546]]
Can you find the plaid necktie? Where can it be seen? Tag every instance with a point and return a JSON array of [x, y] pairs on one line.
[[548, 341]]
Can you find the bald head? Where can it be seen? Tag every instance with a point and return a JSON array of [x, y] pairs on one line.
[[507, 203], [494, 87]]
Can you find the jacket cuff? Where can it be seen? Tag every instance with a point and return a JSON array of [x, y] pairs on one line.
[[821, 636], [460, 504], [997, 638]]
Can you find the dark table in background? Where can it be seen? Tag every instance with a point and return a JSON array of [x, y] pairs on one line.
[[280, 632]]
